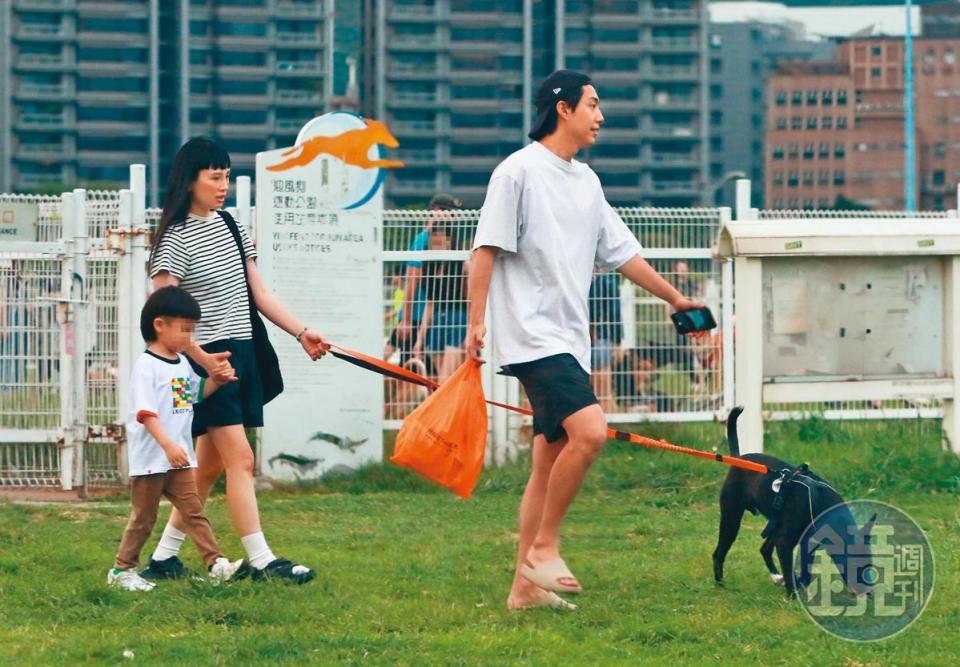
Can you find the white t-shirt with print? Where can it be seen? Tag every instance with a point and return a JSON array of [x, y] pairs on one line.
[[166, 389], [553, 225]]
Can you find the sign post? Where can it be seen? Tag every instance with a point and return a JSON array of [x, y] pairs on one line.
[[319, 218]]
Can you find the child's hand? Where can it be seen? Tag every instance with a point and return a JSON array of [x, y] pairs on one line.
[[222, 371], [176, 456]]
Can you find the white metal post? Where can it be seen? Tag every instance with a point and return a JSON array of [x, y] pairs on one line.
[[748, 354], [68, 328], [139, 247], [139, 286], [727, 324], [744, 212], [81, 342], [126, 316]]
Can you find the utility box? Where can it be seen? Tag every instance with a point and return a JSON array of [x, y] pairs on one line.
[[842, 311]]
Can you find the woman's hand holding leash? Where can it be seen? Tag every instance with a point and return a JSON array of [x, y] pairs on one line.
[[313, 344]]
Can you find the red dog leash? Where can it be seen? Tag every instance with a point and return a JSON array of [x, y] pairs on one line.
[[391, 370]]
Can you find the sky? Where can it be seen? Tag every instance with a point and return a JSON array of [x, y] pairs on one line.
[[824, 21]]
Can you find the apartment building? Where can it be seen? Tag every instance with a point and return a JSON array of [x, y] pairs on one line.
[[456, 79], [96, 85], [837, 128]]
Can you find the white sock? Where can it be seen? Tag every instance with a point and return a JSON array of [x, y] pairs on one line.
[[170, 543], [258, 553]]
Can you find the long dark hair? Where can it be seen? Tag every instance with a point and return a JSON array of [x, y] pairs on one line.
[[197, 154]]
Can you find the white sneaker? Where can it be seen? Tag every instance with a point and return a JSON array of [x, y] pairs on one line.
[[128, 580], [223, 570]]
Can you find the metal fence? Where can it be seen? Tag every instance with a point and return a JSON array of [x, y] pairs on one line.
[[61, 368], [642, 370], [69, 306]]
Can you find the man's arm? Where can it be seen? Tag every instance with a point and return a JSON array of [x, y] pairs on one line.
[[478, 287], [639, 271]]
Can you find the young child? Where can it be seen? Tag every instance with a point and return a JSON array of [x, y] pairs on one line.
[[163, 389]]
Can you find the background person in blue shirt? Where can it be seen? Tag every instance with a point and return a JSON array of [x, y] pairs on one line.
[[411, 313]]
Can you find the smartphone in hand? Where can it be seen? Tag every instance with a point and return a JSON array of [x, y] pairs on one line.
[[691, 321]]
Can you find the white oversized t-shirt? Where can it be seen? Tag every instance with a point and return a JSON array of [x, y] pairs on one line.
[[553, 225], [166, 389]]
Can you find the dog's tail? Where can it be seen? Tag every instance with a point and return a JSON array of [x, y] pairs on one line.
[[732, 441]]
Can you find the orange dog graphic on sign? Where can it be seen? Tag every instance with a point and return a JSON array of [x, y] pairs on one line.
[[352, 147]]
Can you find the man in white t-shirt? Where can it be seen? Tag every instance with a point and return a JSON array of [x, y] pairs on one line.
[[545, 225]]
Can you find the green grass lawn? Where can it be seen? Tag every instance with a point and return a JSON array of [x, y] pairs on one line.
[[411, 575]]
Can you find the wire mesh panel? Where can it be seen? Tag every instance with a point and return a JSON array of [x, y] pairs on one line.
[[103, 212], [102, 458], [425, 298], [29, 370], [675, 228], [29, 342], [102, 356], [641, 368], [101, 463], [29, 464]]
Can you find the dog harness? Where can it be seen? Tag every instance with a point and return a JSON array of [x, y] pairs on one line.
[[787, 476]]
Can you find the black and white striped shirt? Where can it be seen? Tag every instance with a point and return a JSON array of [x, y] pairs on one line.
[[202, 254]]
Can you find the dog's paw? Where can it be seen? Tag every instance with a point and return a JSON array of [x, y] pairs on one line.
[[777, 579]]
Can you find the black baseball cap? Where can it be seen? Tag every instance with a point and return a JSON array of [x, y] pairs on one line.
[[445, 202], [552, 91]]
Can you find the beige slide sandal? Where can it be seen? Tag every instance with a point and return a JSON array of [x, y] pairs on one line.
[[553, 575]]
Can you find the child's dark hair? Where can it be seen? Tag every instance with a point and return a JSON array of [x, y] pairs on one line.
[[170, 301]]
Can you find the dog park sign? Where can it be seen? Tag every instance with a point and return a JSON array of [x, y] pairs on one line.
[[319, 221]]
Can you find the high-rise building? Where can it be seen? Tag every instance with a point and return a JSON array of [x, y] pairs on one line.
[[455, 81], [837, 127], [98, 84], [95, 85], [743, 53]]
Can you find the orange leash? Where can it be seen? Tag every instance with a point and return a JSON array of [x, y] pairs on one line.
[[391, 370]]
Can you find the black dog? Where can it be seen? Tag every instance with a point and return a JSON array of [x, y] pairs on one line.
[[790, 497]]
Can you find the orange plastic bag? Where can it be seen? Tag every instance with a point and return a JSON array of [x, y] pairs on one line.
[[445, 437]]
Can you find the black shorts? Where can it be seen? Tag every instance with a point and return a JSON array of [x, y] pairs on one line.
[[238, 402], [557, 387]]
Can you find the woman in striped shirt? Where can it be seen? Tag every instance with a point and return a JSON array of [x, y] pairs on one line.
[[195, 249]]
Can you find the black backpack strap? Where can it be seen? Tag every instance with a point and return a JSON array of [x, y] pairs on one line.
[[235, 231]]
